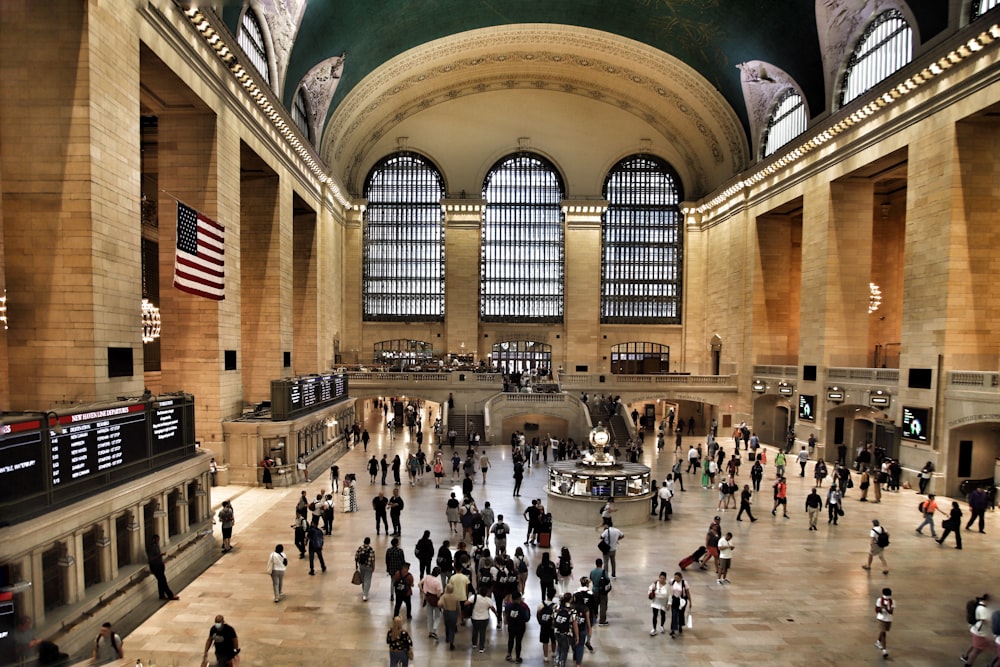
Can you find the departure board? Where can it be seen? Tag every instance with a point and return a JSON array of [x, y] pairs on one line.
[[93, 442], [22, 465], [292, 397]]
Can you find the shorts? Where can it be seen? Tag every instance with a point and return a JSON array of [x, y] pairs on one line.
[[713, 551], [782, 501], [607, 520], [227, 532], [546, 635], [726, 563], [981, 643], [484, 470], [439, 475], [884, 626], [875, 550]]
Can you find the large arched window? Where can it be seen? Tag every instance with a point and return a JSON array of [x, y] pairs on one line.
[[403, 272], [523, 234], [300, 114], [642, 243], [251, 40], [980, 7], [884, 48], [787, 121]]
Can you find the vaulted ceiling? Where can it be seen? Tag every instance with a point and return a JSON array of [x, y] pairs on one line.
[[668, 67]]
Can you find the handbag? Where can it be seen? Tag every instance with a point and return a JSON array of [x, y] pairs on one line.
[[840, 511], [356, 579], [409, 653], [652, 592], [690, 622], [604, 546]]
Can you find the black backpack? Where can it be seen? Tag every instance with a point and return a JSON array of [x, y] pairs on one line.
[[564, 567], [545, 615], [604, 583], [970, 611], [883, 538], [995, 621], [562, 621]]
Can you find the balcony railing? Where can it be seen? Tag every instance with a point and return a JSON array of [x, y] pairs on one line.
[[974, 380]]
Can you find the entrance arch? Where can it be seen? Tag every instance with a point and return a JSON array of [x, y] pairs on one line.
[[973, 453], [772, 415], [854, 426]]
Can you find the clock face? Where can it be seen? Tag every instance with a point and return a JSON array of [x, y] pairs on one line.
[[601, 437]]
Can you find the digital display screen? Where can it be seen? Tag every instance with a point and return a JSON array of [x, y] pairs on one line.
[[916, 423], [22, 461], [292, 397], [93, 442], [166, 418], [807, 407]]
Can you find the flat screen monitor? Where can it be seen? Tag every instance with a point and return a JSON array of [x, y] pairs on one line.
[[916, 423], [807, 407]]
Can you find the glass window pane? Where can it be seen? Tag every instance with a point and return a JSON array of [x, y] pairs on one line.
[[884, 48]]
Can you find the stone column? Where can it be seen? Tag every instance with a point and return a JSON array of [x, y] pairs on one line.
[[106, 541], [351, 260], [309, 354], [71, 566], [582, 288]]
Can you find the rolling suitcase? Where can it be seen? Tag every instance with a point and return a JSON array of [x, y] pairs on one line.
[[686, 562]]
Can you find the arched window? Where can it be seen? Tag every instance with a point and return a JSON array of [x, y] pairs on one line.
[[299, 113], [522, 249], [787, 121], [980, 7], [642, 242], [521, 356], [884, 48], [640, 358], [251, 40], [403, 272]]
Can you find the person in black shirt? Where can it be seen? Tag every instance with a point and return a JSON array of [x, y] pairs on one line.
[[395, 507], [227, 644], [380, 504], [158, 569]]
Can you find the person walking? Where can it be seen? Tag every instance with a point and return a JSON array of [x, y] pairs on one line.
[[516, 615], [803, 459], [480, 608], [364, 561], [833, 505], [745, 497], [879, 540], [680, 604], [158, 569], [565, 568], [227, 644], [544, 613], [402, 587], [726, 547], [400, 644], [500, 531], [779, 463], [301, 527], [756, 473], [566, 628], [451, 608], [372, 468], [107, 647], [928, 508], [780, 496], [659, 595], [276, 565], [424, 551], [979, 630], [953, 524], [315, 538], [227, 518], [978, 501], [814, 504], [431, 591], [484, 464], [884, 608], [601, 581], [547, 574], [819, 473]]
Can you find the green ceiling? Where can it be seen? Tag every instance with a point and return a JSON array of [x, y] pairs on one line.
[[711, 36]]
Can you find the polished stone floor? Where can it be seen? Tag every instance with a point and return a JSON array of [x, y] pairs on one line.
[[797, 597]]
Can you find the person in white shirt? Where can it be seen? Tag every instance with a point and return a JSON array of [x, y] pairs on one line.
[[884, 607], [666, 508], [481, 606], [276, 565], [612, 536], [725, 557]]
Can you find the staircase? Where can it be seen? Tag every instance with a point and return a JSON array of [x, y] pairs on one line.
[[461, 424]]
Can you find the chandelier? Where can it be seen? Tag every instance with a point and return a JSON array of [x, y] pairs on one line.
[[150, 322], [3, 310], [874, 297]]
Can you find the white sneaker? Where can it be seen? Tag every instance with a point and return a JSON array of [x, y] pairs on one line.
[[662, 629], [652, 632], [878, 644]]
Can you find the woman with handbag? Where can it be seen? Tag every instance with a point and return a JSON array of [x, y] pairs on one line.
[[400, 644], [680, 604], [276, 565], [659, 595]]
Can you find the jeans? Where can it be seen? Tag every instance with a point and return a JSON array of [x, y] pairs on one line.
[[479, 633], [928, 521], [314, 553], [562, 648], [676, 615], [433, 614], [450, 625], [398, 658], [400, 601], [366, 579]]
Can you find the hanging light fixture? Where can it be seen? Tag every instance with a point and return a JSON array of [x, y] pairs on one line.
[[150, 322], [874, 297], [3, 310]]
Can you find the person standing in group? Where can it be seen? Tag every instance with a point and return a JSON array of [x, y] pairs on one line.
[[833, 505], [227, 518], [516, 615], [745, 497], [107, 647], [659, 595], [380, 505], [301, 527], [364, 560], [533, 516], [480, 608], [431, 590], [884, 608], [879, 540], [451, 609], [328, 514], [315, 539], [384, 466], [612, 536], [276, 565], [666, 506], [158, 569], [565, 625], [400, 644], [227, 644], [397, 463], [953, 524], [402, 587], [372, 469], [395, 509], [814, 504], [680, 604], [979, 630], [726, 547], [928, 508]]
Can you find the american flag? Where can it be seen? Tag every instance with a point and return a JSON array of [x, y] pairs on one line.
[[199, 265]]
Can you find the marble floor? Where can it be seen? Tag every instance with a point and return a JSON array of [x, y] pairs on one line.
[[797, 597]]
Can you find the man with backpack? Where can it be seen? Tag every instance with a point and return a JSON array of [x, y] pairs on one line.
[[565, 625], [402, 586], [928, 508], [884, 607], [977, 615], [879, 541], [107, 646]]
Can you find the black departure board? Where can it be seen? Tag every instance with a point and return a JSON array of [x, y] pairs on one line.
[[57, 458], [293, 397]]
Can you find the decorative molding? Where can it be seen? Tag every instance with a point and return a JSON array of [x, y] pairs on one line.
[[762, 84], [319, 86], [283, 18]]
